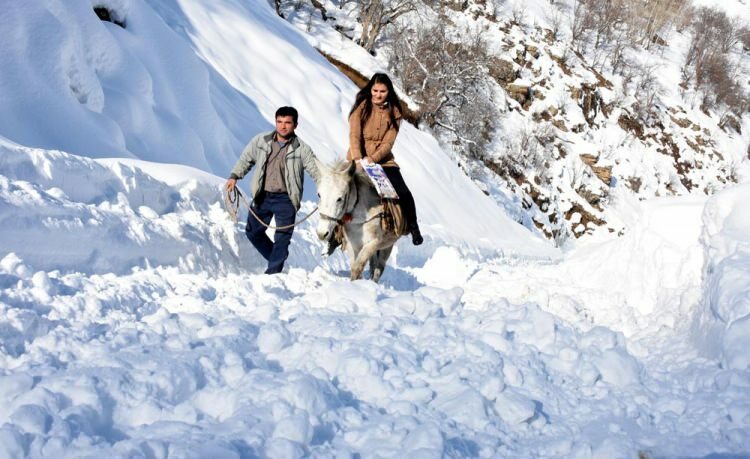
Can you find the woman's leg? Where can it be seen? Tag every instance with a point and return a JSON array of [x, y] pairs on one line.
[[406, 200]]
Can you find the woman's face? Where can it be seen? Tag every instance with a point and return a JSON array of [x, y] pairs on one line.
[[379, 93]]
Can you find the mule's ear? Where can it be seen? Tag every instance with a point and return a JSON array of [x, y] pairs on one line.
[[352, 167]]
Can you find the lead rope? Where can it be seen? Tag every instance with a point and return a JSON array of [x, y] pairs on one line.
[[232, 200]]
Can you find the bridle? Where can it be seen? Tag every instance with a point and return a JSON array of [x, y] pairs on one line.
[[346, 216]]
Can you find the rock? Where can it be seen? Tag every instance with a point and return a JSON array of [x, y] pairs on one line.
[[682, 122], [603, 173], [519, 93], [591, 103], [560, 124], [630, 123], [729, 121], [503, 71]]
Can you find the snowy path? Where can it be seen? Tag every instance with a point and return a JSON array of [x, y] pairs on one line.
[[161, 363], [134, 321]]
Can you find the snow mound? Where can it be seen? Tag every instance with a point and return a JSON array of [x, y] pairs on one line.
[[59, 211], [724, 323]]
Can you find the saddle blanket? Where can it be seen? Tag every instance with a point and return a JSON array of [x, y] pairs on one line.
[[378, 178]]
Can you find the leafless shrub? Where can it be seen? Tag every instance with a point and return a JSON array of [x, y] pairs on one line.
[[602, 27], [708, 64], [374, 15], [450, 82], [744, 34], [646, 90], [582, 20], [518, 14], [555, 18], [659, 17], [716, 76], [529, 148]]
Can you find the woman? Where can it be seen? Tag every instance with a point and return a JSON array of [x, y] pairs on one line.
[[373, 125]]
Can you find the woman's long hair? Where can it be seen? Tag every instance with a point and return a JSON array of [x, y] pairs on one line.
[[364, 95]]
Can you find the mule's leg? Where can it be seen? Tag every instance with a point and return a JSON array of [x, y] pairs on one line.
[[377, 263], [374, 265], [368, 250]]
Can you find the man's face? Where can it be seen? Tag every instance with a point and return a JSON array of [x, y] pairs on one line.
[[285, 126]]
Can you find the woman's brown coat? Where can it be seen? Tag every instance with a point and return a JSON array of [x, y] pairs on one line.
[[379, 135]]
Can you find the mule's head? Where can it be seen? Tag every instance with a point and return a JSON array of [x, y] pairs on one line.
[[333, 192]]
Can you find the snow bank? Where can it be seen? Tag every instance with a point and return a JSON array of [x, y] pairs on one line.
[[723, 325], [59, 211], [74, 83]]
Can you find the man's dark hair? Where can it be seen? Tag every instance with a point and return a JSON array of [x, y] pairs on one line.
[[288, 111]]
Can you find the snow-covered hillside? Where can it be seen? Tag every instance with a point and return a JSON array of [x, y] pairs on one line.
[[134, 321], [240, 85], [572, 123]]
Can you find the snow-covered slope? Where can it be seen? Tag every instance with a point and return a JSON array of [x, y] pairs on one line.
[[254, 63], [575, 123]]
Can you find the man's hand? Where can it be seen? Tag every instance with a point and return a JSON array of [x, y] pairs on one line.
[[231, 184]]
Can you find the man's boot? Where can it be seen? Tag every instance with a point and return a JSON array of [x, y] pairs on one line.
[[416, 235]]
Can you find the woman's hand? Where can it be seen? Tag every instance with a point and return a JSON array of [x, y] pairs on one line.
[[230, 184]]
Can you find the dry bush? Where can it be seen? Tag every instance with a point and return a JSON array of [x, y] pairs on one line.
[[660, 16], [600, 28], [555, 18], [647, 91], [716, 77], [375, 15], [606, 29], [744, 34], [709, 65], [449, 81], [529, 148]]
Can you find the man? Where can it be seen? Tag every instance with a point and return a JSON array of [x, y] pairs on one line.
[[281, 159]]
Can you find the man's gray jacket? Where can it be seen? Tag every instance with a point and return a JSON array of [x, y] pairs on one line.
[[299, 158]]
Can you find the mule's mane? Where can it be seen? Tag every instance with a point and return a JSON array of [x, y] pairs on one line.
[[360, 177]]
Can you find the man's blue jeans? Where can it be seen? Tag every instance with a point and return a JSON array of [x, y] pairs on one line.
[[279, 206]]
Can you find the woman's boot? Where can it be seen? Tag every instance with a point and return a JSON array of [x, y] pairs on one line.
[[416, 235]]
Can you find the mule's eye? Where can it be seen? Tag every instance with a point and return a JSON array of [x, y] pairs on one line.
[[338, 200]]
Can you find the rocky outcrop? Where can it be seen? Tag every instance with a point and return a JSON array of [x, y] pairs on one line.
[[503, 71], [603, 173]]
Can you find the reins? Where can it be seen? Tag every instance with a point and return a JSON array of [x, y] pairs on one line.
[[347, 216], [232, 200]]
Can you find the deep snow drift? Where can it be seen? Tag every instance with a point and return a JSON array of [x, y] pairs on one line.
[[634, 344], [134, 321]]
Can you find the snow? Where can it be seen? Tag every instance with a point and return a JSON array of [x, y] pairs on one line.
[[135, 321]]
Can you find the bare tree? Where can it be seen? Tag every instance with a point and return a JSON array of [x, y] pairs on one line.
[[660, 16], [374, 15], [709, 65], [450, 82]]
